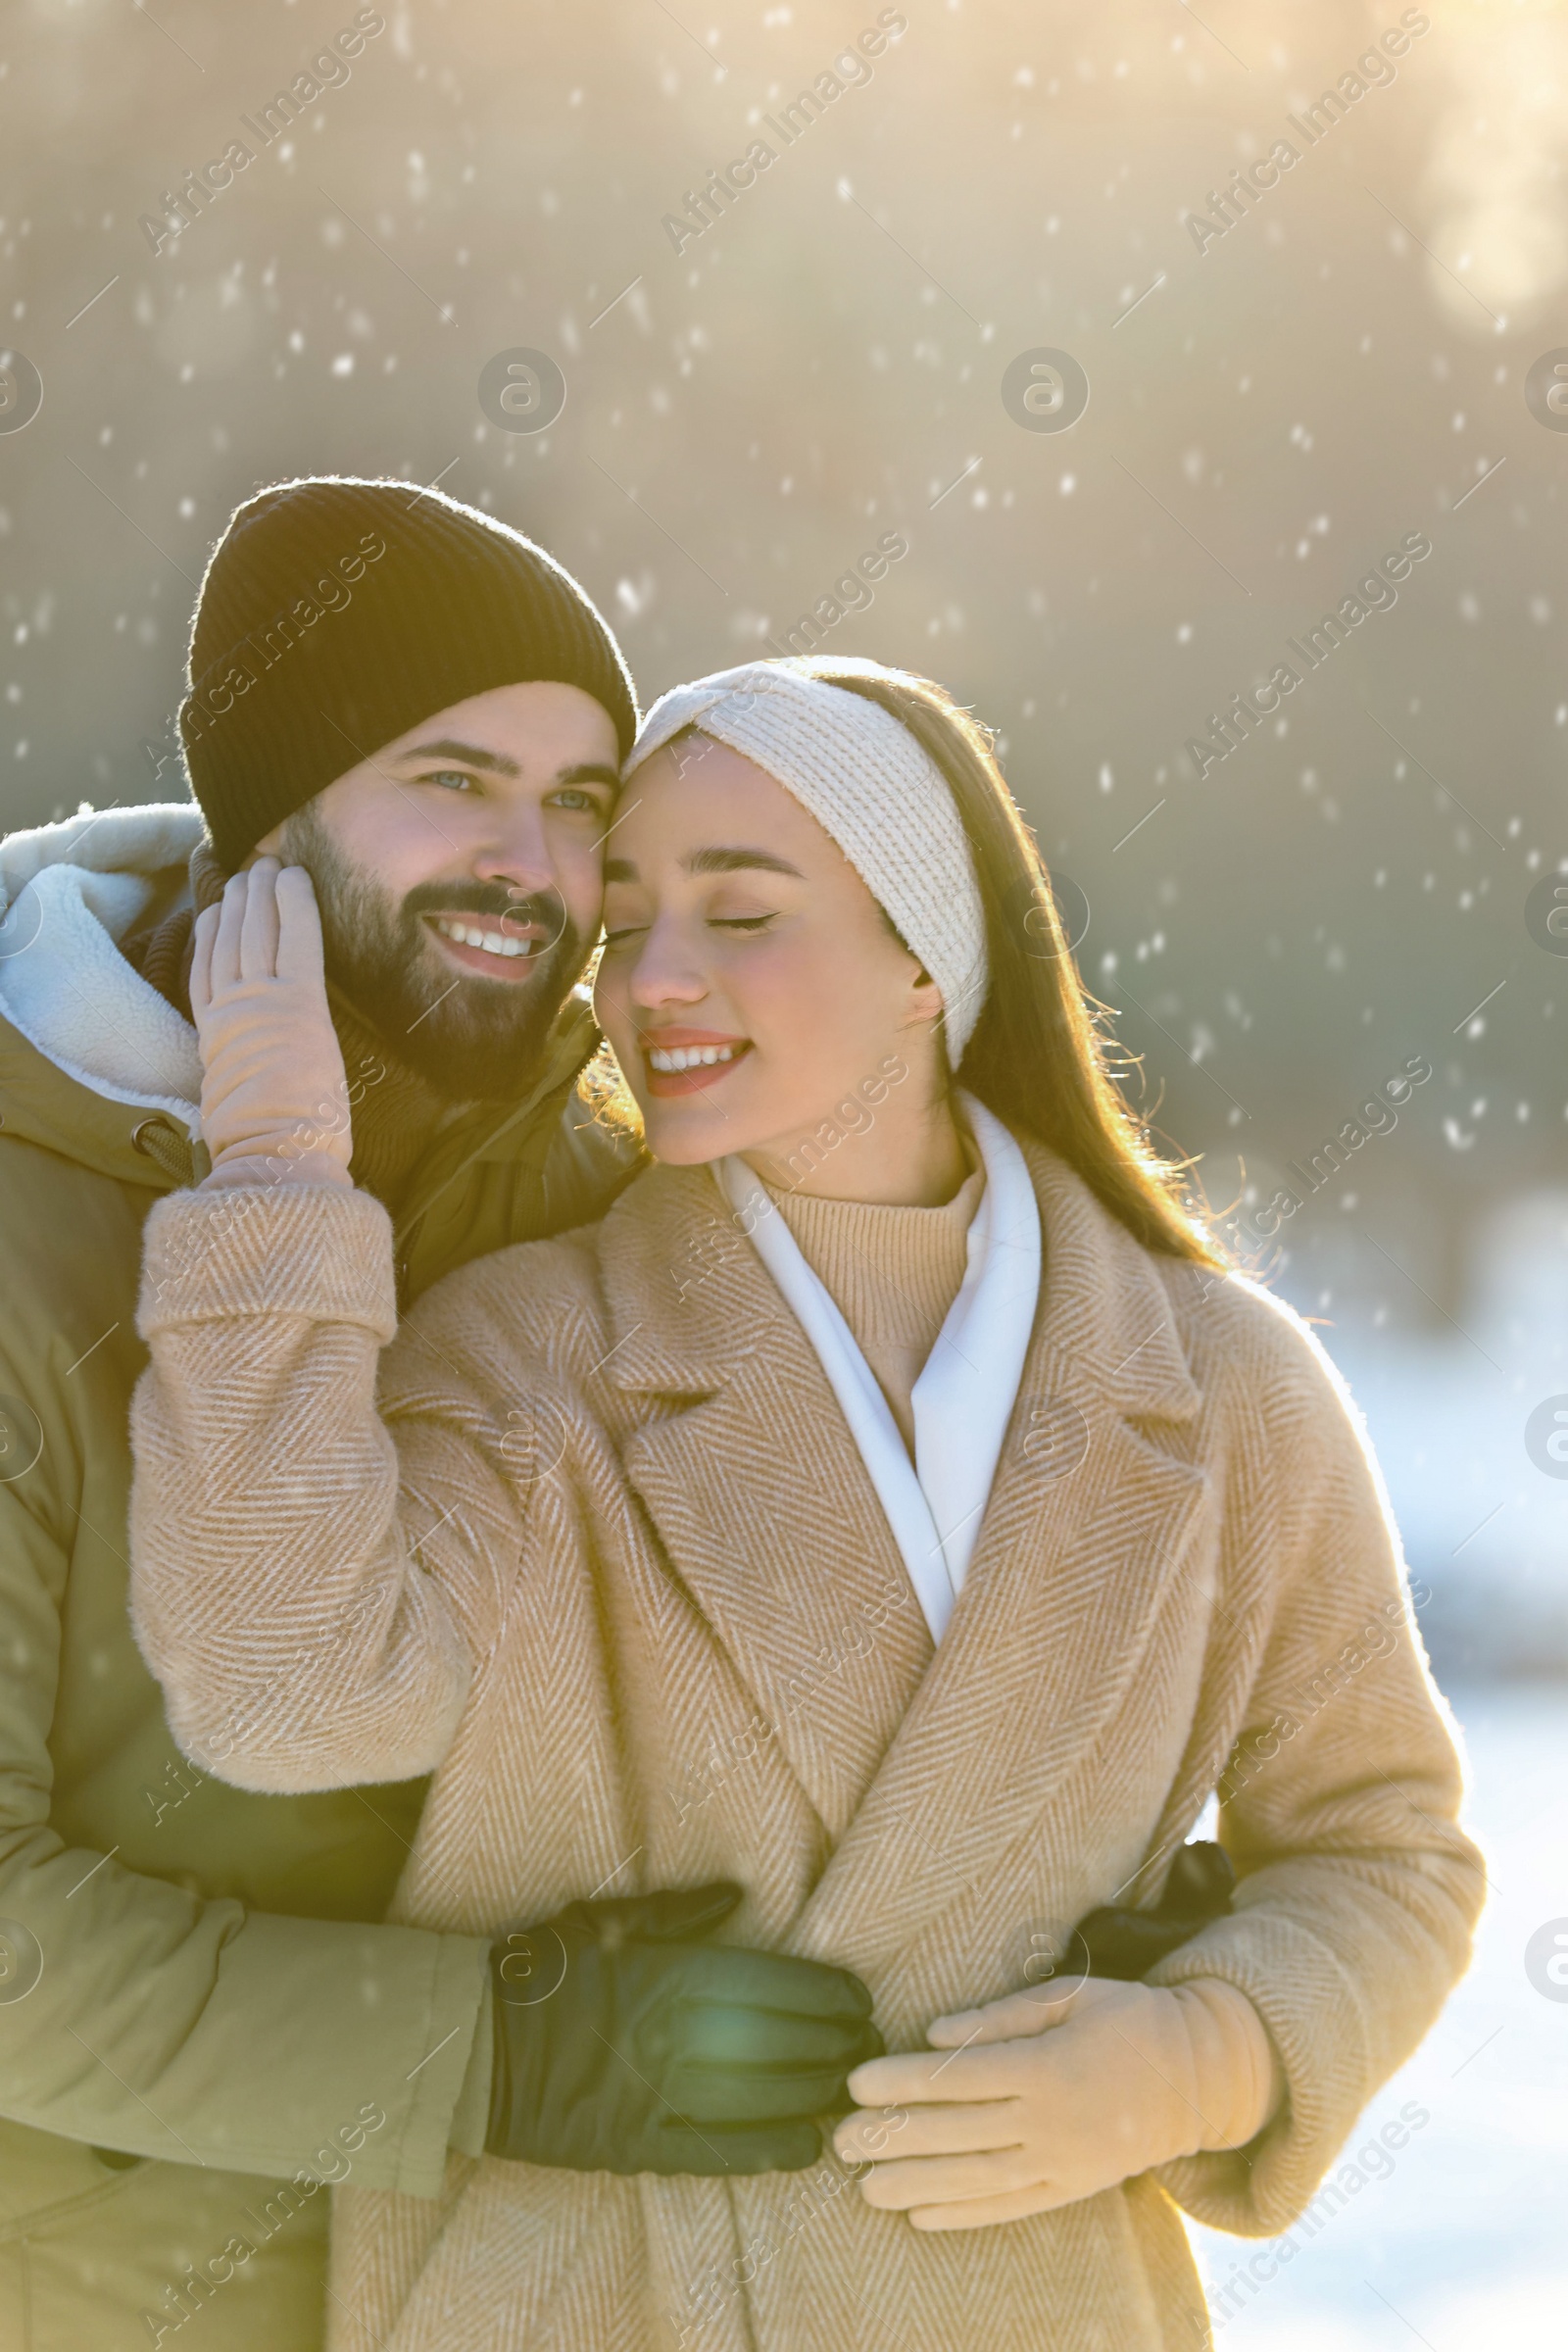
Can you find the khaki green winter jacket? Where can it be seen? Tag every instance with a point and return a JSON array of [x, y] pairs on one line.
[[186, 1974]]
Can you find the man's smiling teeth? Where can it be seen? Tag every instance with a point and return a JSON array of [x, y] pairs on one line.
[[687, 1058], [495, 943]]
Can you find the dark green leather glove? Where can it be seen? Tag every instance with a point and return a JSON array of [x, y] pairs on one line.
[[624, 2043], [1126, 1943]]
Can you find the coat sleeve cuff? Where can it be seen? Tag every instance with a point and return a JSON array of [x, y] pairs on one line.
[[1313, 2016], [470, 2122], [315, 1250], [442, 2080]]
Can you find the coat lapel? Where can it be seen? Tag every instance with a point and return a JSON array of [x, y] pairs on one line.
[[761, 1499], [1090, 1529]]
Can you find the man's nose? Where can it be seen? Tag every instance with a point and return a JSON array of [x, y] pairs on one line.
[[517, 855]]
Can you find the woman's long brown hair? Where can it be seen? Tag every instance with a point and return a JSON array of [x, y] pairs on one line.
[[1040, 1057]]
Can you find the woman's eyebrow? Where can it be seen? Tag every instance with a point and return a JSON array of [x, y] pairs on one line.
[[731, 861], [711, 861]]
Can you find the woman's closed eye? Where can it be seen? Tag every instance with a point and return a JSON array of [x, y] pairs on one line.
[[742, 922], [752, 926]]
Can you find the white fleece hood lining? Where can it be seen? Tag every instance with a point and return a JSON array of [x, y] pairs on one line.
[[69, 893]]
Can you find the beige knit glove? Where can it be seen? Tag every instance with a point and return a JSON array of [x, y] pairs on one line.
[[1048, 2097], [274, 1094]]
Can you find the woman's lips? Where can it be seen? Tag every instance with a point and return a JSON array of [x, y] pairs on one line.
[[693, 1059]]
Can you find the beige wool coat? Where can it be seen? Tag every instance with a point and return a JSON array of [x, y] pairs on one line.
[[607, 1558]]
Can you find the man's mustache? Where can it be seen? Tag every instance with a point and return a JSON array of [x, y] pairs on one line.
[[545, 909]]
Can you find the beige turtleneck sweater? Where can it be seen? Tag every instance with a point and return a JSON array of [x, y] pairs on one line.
[[893, 1273]]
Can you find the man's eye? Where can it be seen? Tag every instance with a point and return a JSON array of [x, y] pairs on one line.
[[450, 779], [571, 797]]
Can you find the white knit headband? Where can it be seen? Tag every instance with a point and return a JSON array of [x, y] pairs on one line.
[[871, 788]]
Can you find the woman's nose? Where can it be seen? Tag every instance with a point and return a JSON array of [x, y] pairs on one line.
[[665, 975]]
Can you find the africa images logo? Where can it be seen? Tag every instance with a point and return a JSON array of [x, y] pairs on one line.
[[851, 69], [330, 69], [1228, 207]]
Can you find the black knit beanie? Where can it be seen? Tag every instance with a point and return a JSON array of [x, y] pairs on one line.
[[338, 613]]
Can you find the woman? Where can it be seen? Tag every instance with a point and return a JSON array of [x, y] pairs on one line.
[[893, 1506]]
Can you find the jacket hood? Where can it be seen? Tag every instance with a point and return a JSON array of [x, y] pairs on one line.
[[69, 893]]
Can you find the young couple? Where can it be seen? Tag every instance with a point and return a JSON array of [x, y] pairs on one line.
[[888, 1422]]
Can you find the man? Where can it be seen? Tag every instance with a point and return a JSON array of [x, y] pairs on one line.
[[196, 2025]]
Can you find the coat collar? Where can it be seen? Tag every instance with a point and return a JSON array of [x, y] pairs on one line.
[[689, 1301], [771, 1523], [486, 1132], [761, 1500]]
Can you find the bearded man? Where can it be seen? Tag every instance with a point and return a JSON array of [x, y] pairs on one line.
[[199, 2022]]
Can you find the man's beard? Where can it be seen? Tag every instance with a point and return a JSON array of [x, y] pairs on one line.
[[472, 1040]]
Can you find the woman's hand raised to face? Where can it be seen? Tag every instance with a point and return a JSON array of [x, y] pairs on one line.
[[274, 1094], [1041, 2099]]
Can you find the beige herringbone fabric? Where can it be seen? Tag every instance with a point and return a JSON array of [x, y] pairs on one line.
[[622, 1578]]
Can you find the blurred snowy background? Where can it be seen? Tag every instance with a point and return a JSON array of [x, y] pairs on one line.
[[1350, 362], [1454, 2241]]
